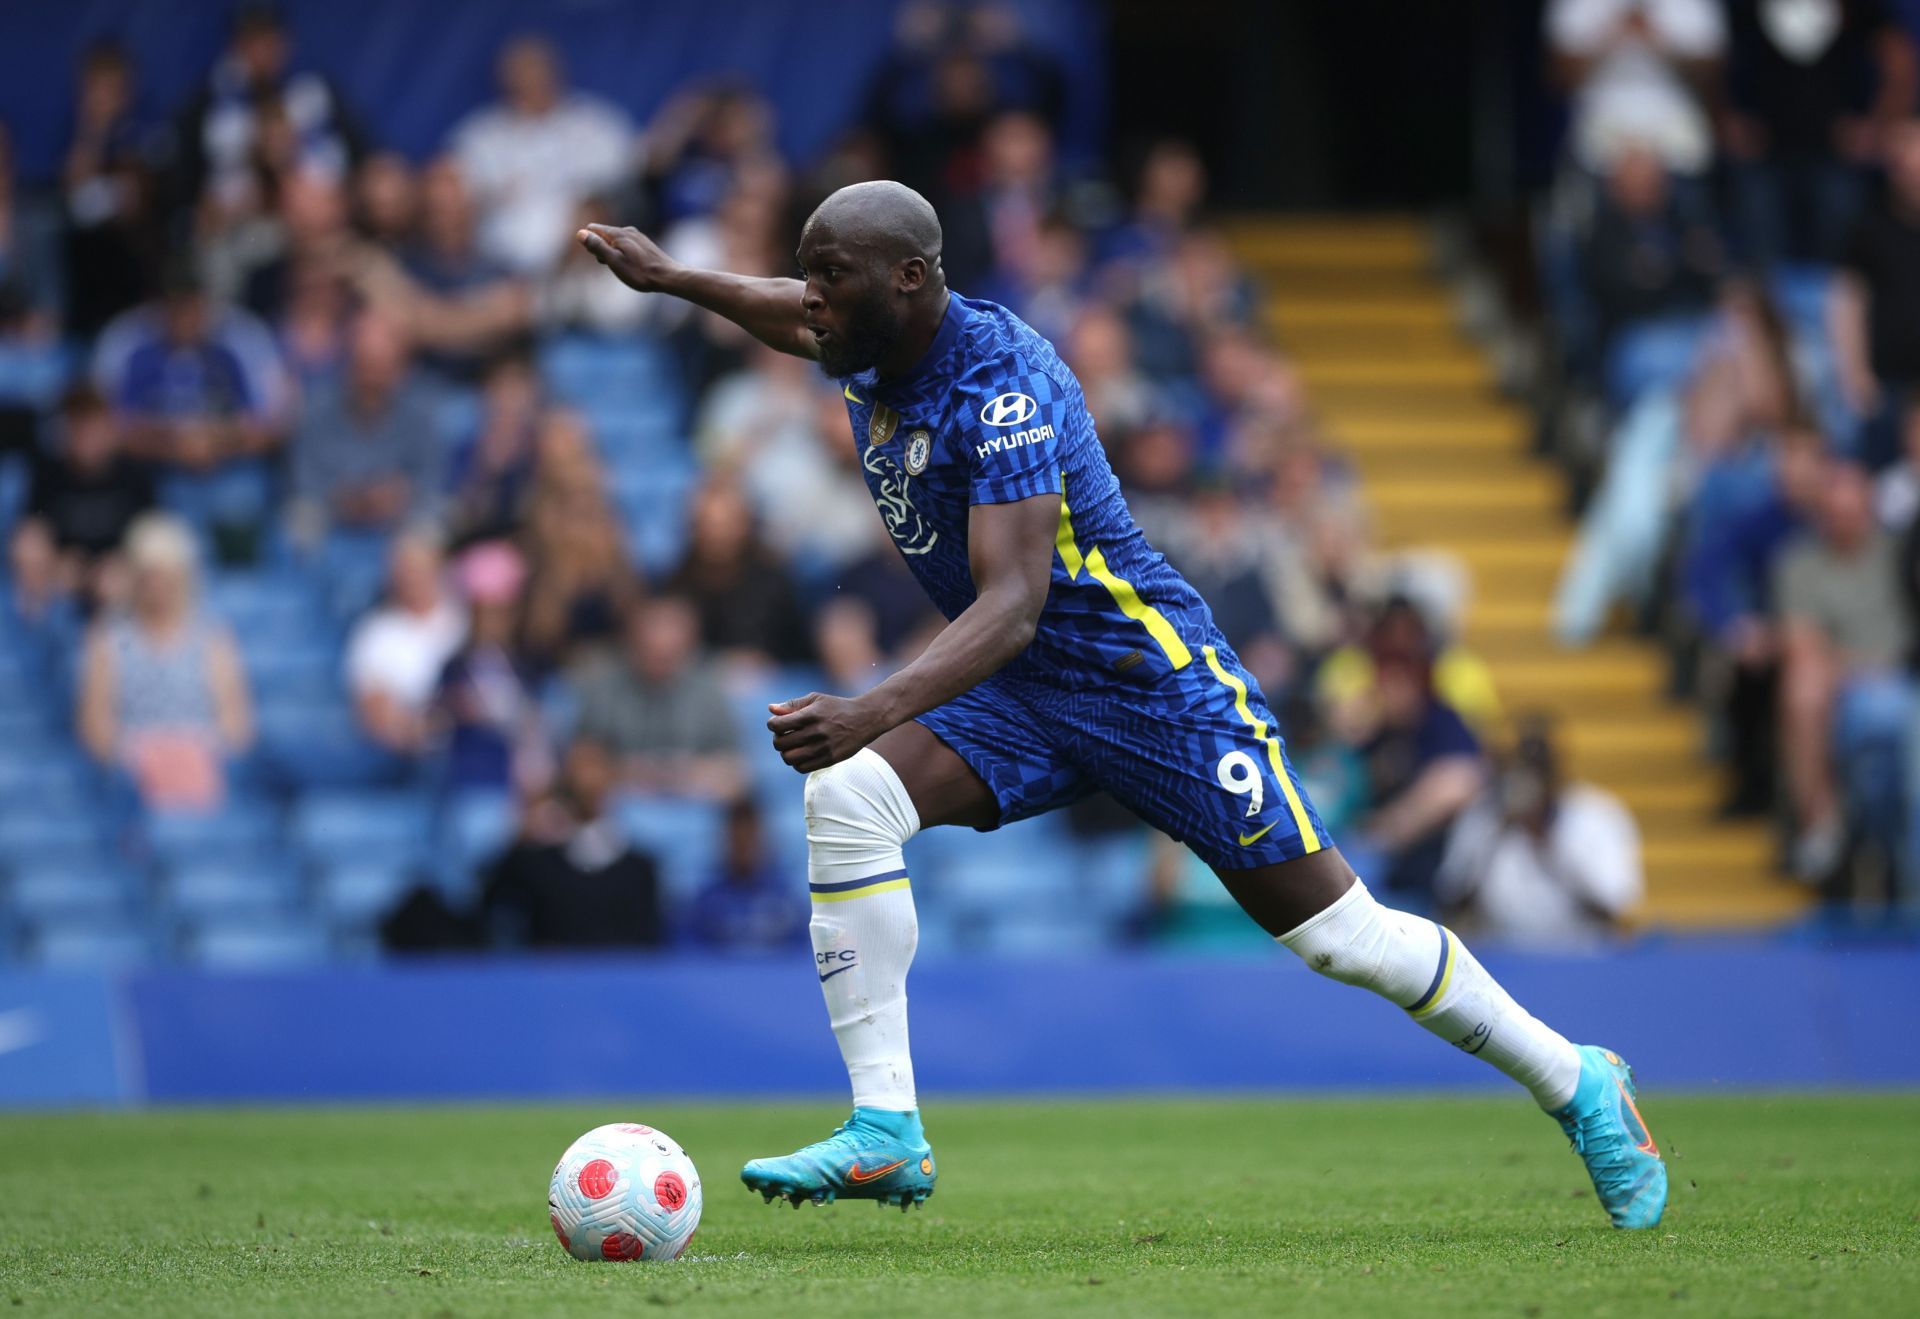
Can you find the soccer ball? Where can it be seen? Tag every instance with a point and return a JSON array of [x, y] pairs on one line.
[[624, 1191]]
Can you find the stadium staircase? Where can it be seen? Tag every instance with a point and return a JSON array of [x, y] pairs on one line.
[[1446, 464]]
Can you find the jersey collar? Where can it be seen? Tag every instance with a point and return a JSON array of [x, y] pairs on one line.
[[951, 324]]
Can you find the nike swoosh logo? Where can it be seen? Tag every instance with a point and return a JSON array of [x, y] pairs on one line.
[[1248, 840], [851, 396], [858, 1174], [836, 971]]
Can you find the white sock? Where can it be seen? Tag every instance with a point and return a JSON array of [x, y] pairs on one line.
[[864, 926], [1425, 969]]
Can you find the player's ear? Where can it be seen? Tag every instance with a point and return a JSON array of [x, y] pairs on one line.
[[910, 274]]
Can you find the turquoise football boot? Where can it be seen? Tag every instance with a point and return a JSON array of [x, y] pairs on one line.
[[1607, 1132], [876, 1154]]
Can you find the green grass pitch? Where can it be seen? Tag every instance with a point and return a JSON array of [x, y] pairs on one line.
[[1782, 1205]]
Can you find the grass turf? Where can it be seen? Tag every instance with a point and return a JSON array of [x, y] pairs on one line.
[[1782, 1205]]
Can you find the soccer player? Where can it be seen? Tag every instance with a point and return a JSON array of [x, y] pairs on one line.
[[1074, 659]]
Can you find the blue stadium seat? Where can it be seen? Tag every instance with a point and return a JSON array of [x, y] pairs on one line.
[[343, 824], [90, 945], [1044, 936], [244, 828], [41, 892], [256, 945], [1111, 874], [681, 834], [215, 890], [476, 825], [27, 834], [354, 895]]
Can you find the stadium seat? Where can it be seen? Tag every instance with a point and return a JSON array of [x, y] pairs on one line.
[[211, 890], [682, 835], [334, 825], [256, 945], [1111, 874], [28, 834], [244, 828], [90, 945], [476, 825], [41, 892], [354, 895]]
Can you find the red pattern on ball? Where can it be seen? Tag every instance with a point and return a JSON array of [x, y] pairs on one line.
[[558, 1231], [597, 1179], [621, 1245], [636, 1128], [670, 1189]]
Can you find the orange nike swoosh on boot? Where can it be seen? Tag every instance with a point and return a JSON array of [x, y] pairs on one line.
[[857, 1174]]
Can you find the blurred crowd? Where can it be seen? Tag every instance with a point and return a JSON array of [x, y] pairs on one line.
[[347, 499], [1730, 260]]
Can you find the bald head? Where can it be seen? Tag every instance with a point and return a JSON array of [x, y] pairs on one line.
[[875, 294], [887, 219]]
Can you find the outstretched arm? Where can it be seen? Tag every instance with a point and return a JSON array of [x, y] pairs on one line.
[[1010, 552], [767, 309]]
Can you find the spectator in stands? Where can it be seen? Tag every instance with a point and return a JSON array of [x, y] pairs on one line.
[[659, 707], [1747, 508], [485, 700], [1653, 261], [1100, 351], [1424, 766], [114, 232], [386, 201], [583, 580], [1536, 860], [1169, 190], [1638, 73], [203, 396], [846, 636], [1875, 310], [533, 157], [37, 605], [1896, 492], [87, 494], [783, 437], [397, 652], [30, 267], [460, 306], [992, 234], [1056, 284], [1628, 522], [572, 880], [257, 112], [163, 695], [1219, 549], [1845, 698], [751, 904], [366, 455], [1809, 106], [698, 145], [492, 473], [306, 231], [743, 595]]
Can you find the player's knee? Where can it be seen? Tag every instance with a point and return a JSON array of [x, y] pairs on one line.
[[1349, 944], [860, 799]]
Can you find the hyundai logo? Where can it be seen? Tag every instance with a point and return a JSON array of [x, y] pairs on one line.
[[1008, 410]]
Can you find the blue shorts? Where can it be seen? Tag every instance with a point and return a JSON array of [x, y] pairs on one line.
[[1195, 754]]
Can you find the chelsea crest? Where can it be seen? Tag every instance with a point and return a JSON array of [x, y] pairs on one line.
[[919, 445]]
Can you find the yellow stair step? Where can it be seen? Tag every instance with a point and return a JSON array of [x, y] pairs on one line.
[[1299, 313], [1492, 429], [1384, 371]]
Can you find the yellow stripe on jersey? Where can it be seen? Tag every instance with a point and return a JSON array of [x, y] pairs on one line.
[[1139, 610], [1118, 587], [1309, 839]]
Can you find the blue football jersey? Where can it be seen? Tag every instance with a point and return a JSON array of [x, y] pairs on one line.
[[991, 415]]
